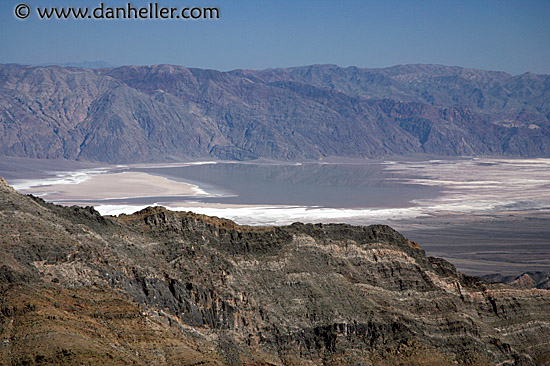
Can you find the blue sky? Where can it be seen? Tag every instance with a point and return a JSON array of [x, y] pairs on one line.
[[512, 36]]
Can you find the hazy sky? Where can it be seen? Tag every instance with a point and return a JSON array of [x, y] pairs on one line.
[[512, 36]]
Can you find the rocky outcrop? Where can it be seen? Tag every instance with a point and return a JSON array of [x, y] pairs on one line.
[[539, 280], [168, 287], [163, 112]]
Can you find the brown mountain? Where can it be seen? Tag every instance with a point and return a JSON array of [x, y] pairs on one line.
[[159, 113], [525, 280], [175, 288]]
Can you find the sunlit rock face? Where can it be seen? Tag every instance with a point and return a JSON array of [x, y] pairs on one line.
[[167, 287], [161, 113]]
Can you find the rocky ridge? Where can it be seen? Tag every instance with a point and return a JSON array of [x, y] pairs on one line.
[[165, 112], [162, 287], [525, 280]]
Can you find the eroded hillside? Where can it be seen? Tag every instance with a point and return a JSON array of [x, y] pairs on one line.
[[162, 287], [165, 112]]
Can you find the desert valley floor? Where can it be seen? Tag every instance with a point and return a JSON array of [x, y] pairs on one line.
[[484, 215]]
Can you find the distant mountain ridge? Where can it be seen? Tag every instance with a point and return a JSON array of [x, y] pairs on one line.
[[83, 64], [164, 112]]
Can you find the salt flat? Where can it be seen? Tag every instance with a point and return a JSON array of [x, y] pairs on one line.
[[101, 186], [484, 215]]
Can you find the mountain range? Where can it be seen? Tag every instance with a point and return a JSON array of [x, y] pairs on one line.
[[176, 288], [83, 64], [170, 113]]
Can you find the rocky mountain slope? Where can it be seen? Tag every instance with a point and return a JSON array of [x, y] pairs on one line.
[[525, 280], [176, 288], [158, 113]]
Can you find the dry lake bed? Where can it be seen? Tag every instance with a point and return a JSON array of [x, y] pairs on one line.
[[484, 215]]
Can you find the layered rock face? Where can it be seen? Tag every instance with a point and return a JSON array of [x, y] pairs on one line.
[[177, 288], [163, 112]]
